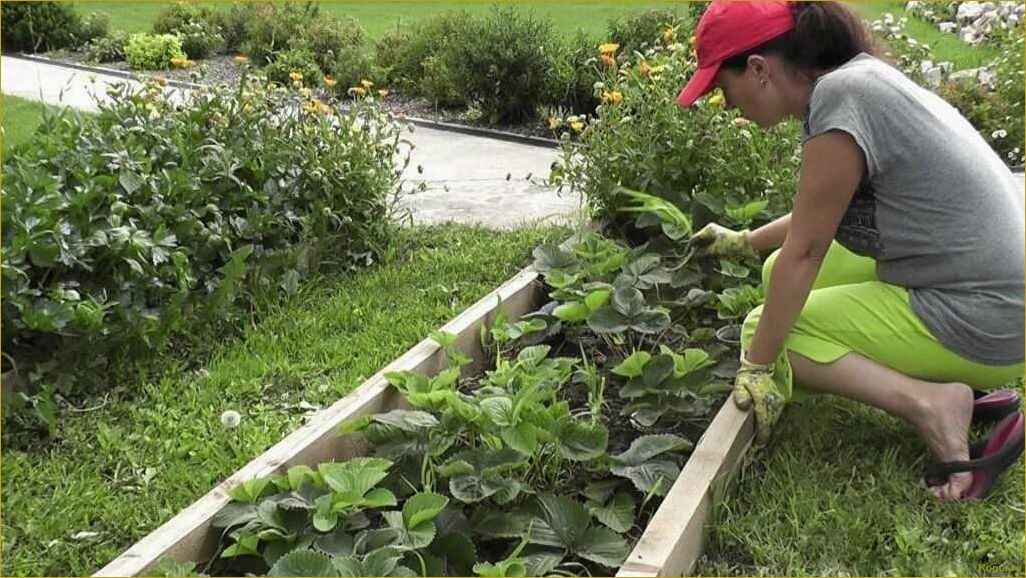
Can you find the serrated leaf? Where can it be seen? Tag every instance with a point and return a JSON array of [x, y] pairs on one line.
[[458, 552], [298, 475], [603, 546], [407, 420], [249, 490], [607, 320], [423, 507], [493, 524], [600, 491], [572, 312], [420, 536], [564, 517], [618, 514], [549, 256], [350, 478], [499, 409], [470, 489], [597, 299], [336, 544], [582, 441], [657, 370], [651, 321], [443, 338], [381, 562], [532, 356], [542, 562], [303, 563], [647, 447], [130, 182], [234, 514], [522, 438], [649, 476], [634, 365], [379, 498]]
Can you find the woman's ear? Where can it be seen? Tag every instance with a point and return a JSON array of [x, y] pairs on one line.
[[759, 67]]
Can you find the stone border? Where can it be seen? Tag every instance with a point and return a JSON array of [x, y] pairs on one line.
[[424, 122]]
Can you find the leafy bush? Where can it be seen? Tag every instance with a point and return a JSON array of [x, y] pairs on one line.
[[121, 228], [232, 24], [289, 61], [200, 39], [574, 74], [275, 26], [406, 60], [94, 27], [338, 49], [153, 51], [388, 50], [176, 16], [997, 114], [109, 48], [39, 26], [505, 59], [646, 29], [705, 160]]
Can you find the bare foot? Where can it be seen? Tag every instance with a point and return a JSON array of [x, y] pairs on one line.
[[944, 424]]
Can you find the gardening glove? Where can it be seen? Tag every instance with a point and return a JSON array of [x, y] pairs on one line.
[[754, 385], [717, 241]]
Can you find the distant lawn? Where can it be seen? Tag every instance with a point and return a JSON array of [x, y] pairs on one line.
[[379, 17], [946, 46], [19, 118]]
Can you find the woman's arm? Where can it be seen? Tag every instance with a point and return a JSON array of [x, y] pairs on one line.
[[772, 235], [832, 166]]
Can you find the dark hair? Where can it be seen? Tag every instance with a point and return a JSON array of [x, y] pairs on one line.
[[825, 35]]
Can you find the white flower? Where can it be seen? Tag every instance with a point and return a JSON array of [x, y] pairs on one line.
[[231, 418], [1001, 133]]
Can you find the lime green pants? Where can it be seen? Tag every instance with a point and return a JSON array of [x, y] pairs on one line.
[[850, 310]]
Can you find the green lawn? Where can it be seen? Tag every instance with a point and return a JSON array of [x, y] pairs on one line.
[[946, 46], [838, 492], [19, 118], [379, 17], [156, 445]]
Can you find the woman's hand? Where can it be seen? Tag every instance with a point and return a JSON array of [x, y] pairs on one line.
[[717, 241], [754, 385]]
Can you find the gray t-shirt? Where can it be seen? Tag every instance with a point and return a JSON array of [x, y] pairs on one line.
[[937, 208]]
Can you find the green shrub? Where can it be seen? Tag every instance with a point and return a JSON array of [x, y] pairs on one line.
[[504, 59], [275, 26], [232, 24], [200, 39], [110, 48], [405, 61], [122, 227], [94, 27], [574, 74], [355, 64], [298, 60], [645, 29], [175, 16], [703, 159], [39, 26], [388, 50], [153, 51], [441, 82], [338, 49]]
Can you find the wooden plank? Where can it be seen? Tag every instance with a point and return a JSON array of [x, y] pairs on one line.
[[675, 537], [189, 537]]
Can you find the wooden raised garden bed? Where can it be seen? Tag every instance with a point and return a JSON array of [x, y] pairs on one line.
[[670, 544]]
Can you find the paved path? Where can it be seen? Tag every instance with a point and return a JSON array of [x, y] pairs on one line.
[[466, 178]]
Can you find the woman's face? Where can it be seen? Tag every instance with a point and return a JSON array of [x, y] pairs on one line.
[[754, 91]]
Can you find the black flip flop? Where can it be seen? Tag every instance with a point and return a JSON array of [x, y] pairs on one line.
[[993, 406], [989, 460]]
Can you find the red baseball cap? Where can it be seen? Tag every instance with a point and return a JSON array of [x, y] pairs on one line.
[[727, 29]]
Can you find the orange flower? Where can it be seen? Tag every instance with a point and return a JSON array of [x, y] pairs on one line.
[[241, 59], [358, 91], [644, 68], [607, 60], [614, 97], [553, 123], [366, 84], [608, 48], [383, 93], [669, 35], [330, 82], [295, 76]]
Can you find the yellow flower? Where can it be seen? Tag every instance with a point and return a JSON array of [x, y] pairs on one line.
[[366, 84], [553, 123], [248, 108], [310, 107], [614, 97], [161, 80], [577, 125], [92, 77], [669, 35], [607, 60], [324, 108], [608, 48], [717, 99], [178, 62], [644, 68], [306, 92], [358, 91], [330, 82], [295, 76], [383, 93], [241, 59]]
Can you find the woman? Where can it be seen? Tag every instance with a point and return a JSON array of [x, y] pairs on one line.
[[899, 276]]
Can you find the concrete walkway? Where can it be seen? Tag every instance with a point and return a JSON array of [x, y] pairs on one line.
[[467, 179]]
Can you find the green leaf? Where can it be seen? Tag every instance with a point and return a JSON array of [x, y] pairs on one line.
[[608, 320], [422, 507], [601, 490], [532, 356], [651, 321], [647, 447], [603, 546], [443, 338], [657, 370], [234, 514], [381, 562], [130, 182], [564, 519], [249, 490], [744, 214], [521, 437], [582, 441], [471, 489], [549, 256], [499, 409], [572, 312], [618, 514], [542, 562], [597, 299], [628, 301], [379, 498], [493, 524], [245, 545], [336, 544], [407, 420], [324, 518], [348, 566], [458, 551], [420, 536], [633, 365], [649, 476], [298, 475]]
